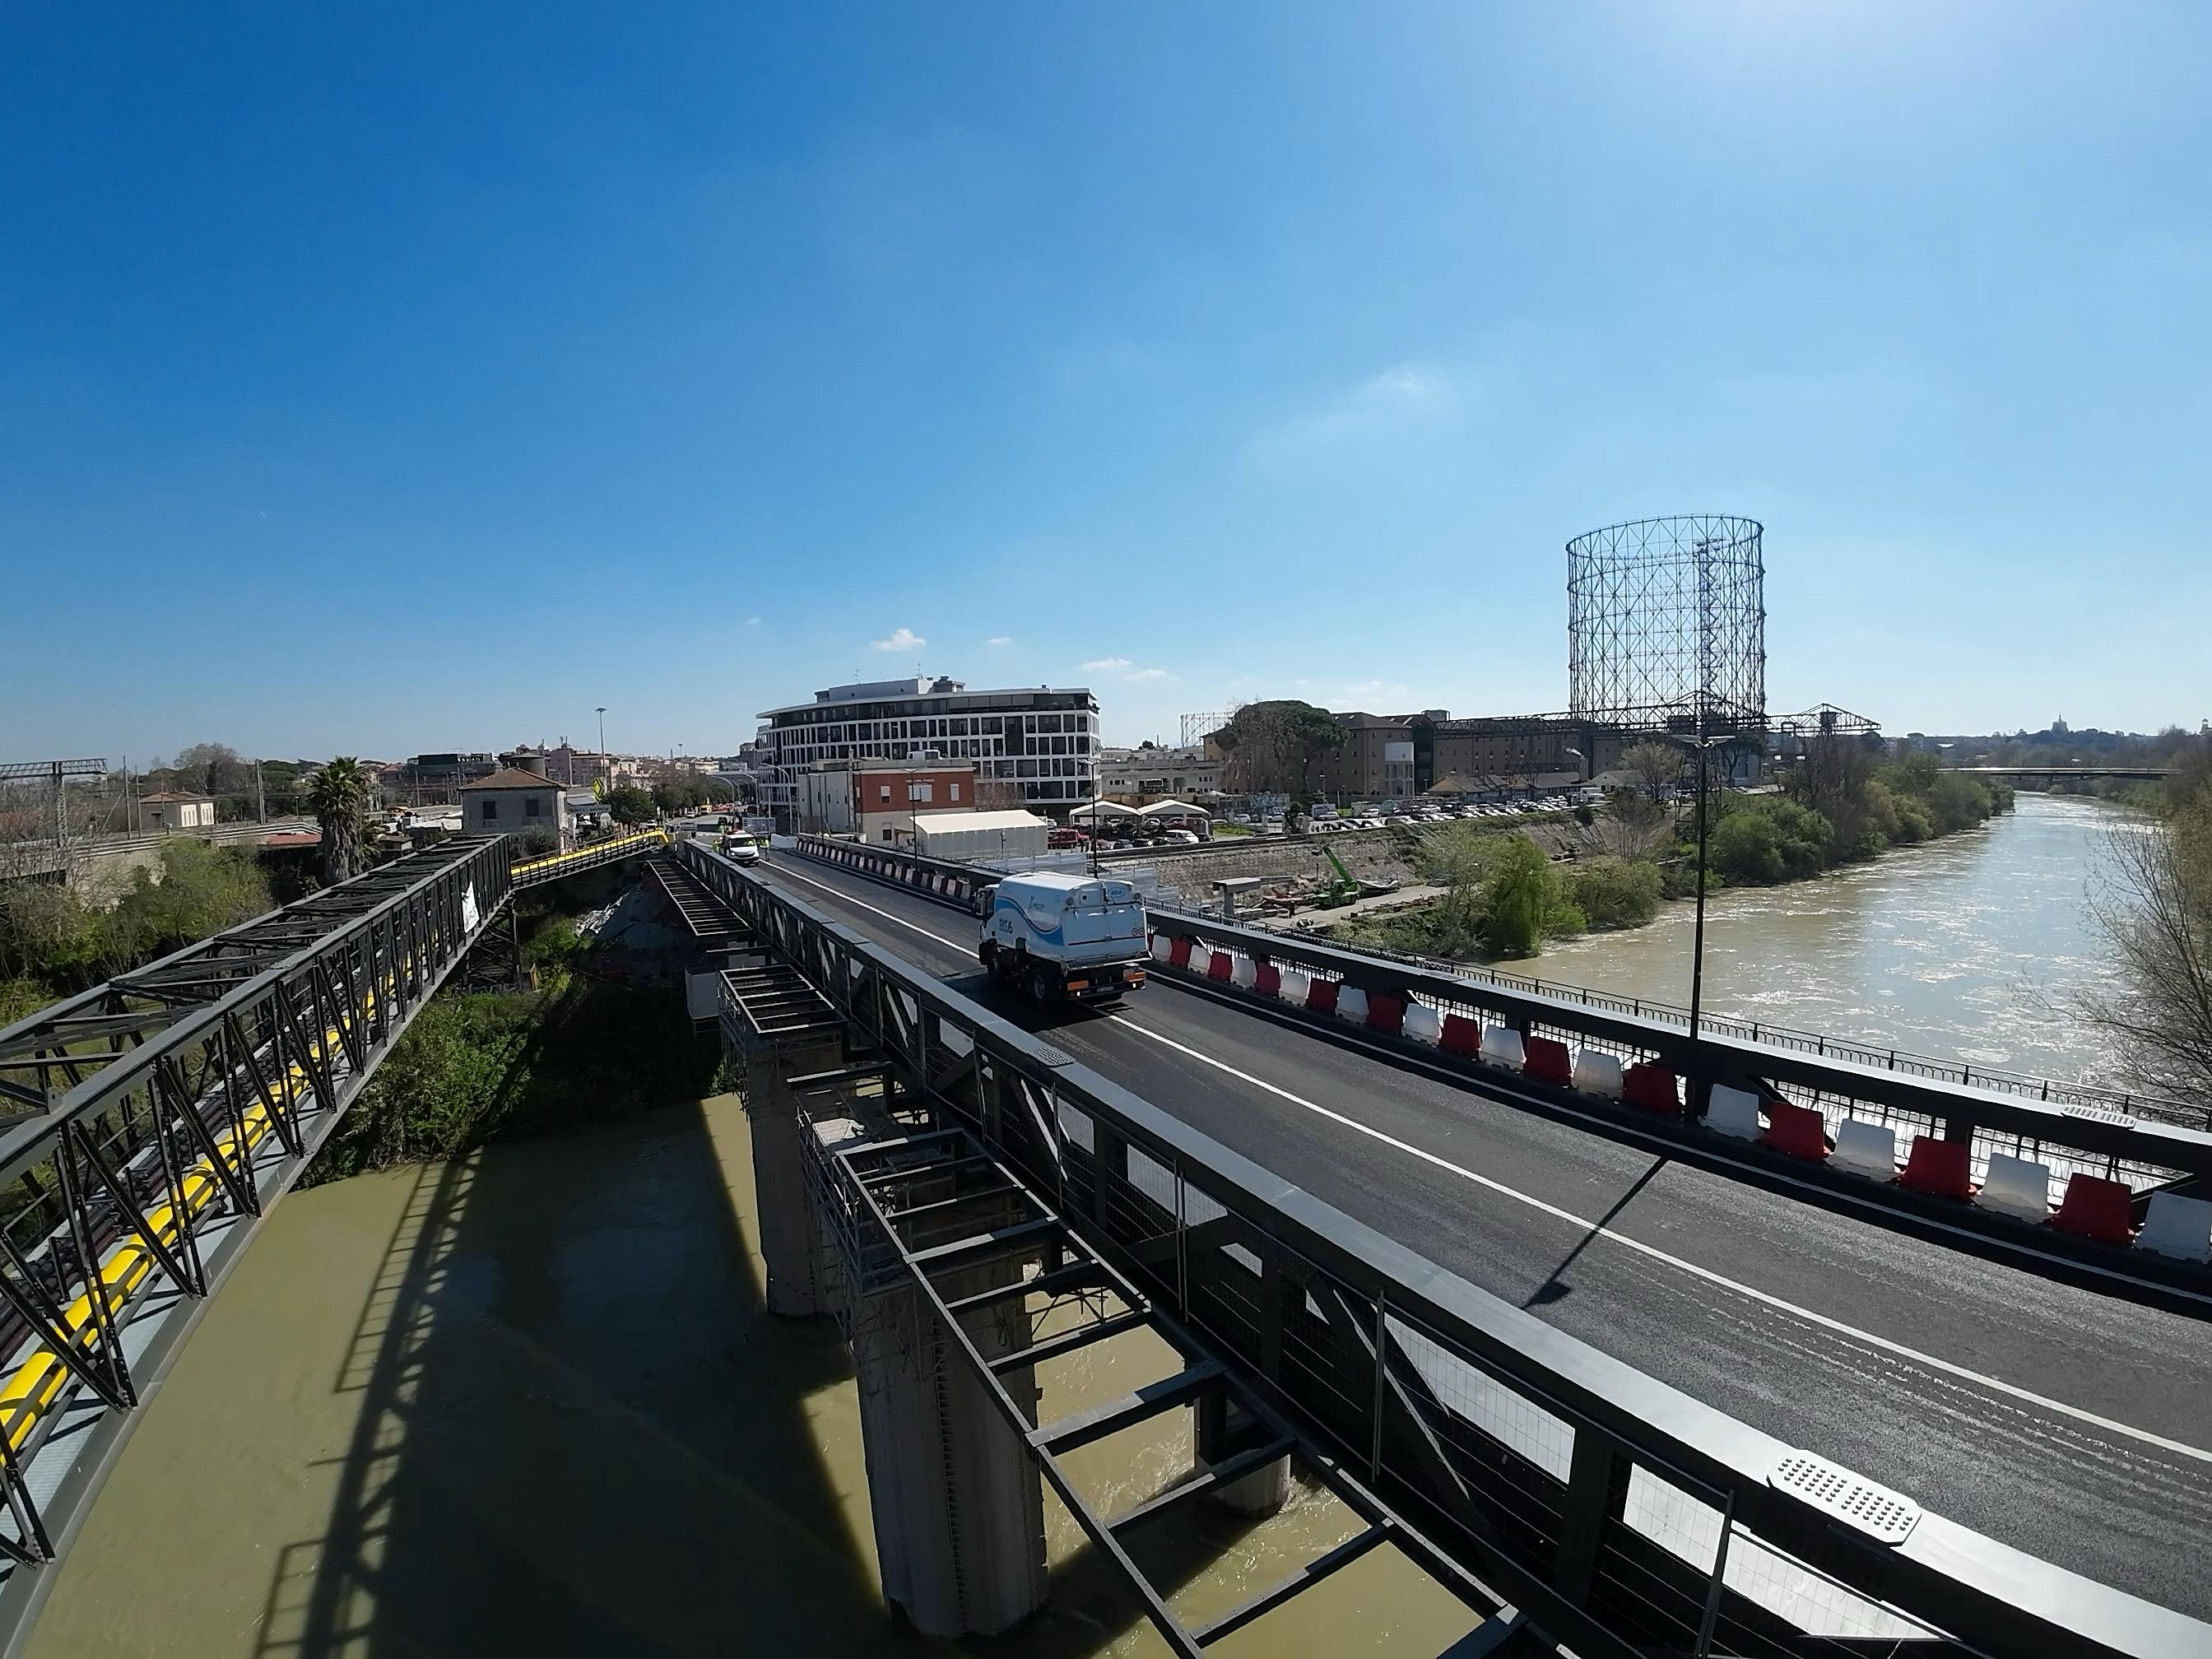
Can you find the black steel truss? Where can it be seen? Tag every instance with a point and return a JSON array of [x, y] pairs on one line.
[[153, 1120], [1511, 1445]]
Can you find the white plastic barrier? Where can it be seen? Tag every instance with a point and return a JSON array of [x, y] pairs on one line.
[[1502, 1046], [1243, 971], [1162, 947], [1201, 960], [1351, 1005], [1867, 1148], [1295, 987], [1733, 1112], [1597, 1072], [1424, 1024], [2016, 1186], [2178, 1226]]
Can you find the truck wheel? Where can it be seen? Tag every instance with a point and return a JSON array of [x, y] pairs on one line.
[[1040, 986]]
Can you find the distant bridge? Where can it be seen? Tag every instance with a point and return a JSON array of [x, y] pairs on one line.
[[2149, 773]]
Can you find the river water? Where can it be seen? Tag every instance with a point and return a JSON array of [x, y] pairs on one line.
[[1967, 949], [529, 1403]]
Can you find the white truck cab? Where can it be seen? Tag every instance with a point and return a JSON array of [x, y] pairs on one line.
[[1063, 938]]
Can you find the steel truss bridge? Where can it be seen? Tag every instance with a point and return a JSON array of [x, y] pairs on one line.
[[1572, 1502]]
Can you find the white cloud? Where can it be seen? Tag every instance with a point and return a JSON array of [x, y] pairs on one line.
[[752, 622], [1146, 674], [902, 638], [999, 639], [1107, 665], [1383, 408]]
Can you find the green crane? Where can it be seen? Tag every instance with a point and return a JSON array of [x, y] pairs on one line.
[[1339, 890]]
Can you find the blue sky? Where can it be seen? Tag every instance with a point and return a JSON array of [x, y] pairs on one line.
[[387, 379]]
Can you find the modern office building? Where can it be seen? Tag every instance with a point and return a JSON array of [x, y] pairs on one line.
[[1040, 743]]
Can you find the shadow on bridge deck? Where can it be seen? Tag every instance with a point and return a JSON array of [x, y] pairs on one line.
[[563, 1422]]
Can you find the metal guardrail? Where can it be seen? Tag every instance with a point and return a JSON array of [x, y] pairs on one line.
[[156, 1118], [1893, 1086], [1618, 1514], [2068, 1138]]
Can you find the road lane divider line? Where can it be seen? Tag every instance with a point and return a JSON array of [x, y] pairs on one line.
[[1781, 1305], [1766, 1298]]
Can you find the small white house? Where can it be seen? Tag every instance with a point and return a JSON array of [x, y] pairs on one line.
[[511, 802], [175, 809]]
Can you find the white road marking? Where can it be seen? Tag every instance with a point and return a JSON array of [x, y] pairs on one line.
[[1692, 1268], [2111, 1425]]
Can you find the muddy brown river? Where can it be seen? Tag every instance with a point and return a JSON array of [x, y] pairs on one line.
[[529, 1403]]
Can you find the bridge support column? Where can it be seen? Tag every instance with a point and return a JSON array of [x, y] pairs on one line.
[[1221, 1430], [790, 1236], [958, 1504]]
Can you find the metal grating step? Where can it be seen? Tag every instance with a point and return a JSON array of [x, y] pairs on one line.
[[1851, 1498]]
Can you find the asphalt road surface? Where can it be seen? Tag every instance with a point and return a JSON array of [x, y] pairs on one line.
[[2067, 1424]]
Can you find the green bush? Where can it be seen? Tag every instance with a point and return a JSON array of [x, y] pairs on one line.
[[1615, 892], [480, 1067], [1767, 838]]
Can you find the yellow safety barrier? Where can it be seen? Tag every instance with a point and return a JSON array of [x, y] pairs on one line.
[[595, 850]]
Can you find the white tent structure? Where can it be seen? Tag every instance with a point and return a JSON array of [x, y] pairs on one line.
[[1103, 812], [1174, 809], [980, 835]]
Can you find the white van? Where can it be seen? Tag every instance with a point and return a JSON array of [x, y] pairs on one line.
[[1064, 937]]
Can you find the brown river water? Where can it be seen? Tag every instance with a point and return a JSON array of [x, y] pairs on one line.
[[529, 1403], [1965, 949]]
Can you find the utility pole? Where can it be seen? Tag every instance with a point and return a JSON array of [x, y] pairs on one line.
[[260, 795], [606, 783]]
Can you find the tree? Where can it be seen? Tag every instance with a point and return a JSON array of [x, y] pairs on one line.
[[2153, 907], [1831, 778], [1457, 859], [1653, 769], [1769, 839], [629, 804], [213, 768], [339, 794], [1524, 901]]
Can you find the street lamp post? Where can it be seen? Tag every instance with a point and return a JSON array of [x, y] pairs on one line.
[[606, 783], [1701, 747]]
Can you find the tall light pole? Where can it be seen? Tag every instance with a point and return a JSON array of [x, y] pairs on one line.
[[1702, 746], [606, 783]]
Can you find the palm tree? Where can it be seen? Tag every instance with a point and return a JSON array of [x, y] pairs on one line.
[[340, 790]]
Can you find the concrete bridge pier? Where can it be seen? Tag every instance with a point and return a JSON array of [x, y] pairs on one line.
[[958, 1505], [1219, 1431], [790, 1233]]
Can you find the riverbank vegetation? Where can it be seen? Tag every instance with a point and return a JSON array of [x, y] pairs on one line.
[[55, 941], [2153, 906], [497, 1065], [1843, 803], [476, 1066]]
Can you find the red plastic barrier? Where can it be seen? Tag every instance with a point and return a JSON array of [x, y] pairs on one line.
[[2097, 1208], [1548, 1061], [1797, 1130], [1942, 1166], [1650, 1086], [1322, 998], [1267, 979], [1222, 965], [1461, 1035], [1179, 952], [1385, 1013]]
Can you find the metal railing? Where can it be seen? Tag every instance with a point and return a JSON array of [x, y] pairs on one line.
[[157, 1117], [2068, 1137], [1619, 1515], [530, 873]]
